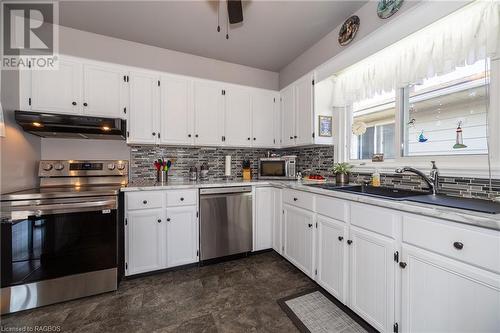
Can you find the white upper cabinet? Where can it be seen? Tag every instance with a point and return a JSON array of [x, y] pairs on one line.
[[58, 91], [304, 111], [104, 91], [263, 118], [208, 113], [143, 105], [372, 278], [176, 111], [182, 236], [238, 108], [297, 112], [288, 116]]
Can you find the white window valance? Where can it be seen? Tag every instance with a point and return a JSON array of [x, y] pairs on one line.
[[461, 38]]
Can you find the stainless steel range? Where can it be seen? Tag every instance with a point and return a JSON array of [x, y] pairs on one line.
[[60, 241]]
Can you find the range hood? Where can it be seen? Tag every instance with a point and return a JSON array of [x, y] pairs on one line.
[[50, 125]]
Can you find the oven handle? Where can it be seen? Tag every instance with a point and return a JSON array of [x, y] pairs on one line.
[[23, 213]]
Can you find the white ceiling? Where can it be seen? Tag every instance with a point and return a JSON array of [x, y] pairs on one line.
[[272, 35]]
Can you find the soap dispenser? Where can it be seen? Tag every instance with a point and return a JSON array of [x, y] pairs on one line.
[[376, 178]]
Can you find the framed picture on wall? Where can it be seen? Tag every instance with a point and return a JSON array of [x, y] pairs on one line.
[[325, 126]]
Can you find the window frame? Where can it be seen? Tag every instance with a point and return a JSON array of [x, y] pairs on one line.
[[463, 165]]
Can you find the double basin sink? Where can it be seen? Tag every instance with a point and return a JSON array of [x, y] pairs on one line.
[[476, 205]]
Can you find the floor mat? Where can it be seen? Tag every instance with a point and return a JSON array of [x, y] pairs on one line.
[[314, 312]]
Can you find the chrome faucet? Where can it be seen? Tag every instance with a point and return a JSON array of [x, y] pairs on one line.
[[432, 180]]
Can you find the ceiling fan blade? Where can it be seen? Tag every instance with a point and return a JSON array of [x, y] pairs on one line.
[[234, 11]]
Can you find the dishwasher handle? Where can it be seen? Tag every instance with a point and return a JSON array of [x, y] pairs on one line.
[[225, 190]]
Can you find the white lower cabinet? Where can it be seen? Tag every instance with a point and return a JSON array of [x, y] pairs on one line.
[[277, 220], [160, 237], [371, 262], [440, 294], [331, 256], [299, 237], [145, 241], [264, 216], [182, 236]]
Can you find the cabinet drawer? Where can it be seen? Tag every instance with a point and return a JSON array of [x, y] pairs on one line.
[[181, 197], [144, 200], [331, 207], [299, 199], [374, 218], [473, 245]]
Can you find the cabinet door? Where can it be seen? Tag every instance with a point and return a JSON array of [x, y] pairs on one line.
[[304, 111], [182, 236], [288, 116], [264, 216], [208, 113], [299, 238], [278, 139], [58, 90], [143, 113], [176, 111], [263, 104], [331, 242], [372, 278], [444, 295], [145, 240], [103, 93], [238, 110], [277, 221]]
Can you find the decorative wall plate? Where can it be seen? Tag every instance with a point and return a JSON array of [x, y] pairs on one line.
[[387, 8], [348, 30]]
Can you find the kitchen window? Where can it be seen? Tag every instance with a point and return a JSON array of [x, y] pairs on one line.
[[373, 130], [447, 114]]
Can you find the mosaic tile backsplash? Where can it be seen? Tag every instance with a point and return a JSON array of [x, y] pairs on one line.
[[456, 186], [317, 159]]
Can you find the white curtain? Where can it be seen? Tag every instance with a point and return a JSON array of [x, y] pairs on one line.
[[461, 38]]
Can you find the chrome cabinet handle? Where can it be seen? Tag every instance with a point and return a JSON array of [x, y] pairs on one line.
[[458, 245]]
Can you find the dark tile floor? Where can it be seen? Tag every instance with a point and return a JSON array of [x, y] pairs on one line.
[[234, 296]]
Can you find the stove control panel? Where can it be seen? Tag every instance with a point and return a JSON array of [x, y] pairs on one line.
[[74, 168]]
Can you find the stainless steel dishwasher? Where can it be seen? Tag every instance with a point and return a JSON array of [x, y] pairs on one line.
[[225, 221]]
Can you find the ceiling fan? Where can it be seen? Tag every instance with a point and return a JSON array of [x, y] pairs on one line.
[[234, 14]]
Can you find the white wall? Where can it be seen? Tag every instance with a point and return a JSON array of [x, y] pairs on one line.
[[98, 47], [19, 151]]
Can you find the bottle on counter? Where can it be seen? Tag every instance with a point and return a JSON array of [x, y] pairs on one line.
[[376, 178], [204, 171], [193, 173]]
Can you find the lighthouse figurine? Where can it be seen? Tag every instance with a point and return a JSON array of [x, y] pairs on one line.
[[460, 139]]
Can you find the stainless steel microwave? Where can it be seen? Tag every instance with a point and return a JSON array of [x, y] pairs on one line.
[[283, 167]]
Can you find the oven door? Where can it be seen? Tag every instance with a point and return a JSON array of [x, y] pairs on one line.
[[272, 169], [51, 239]]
